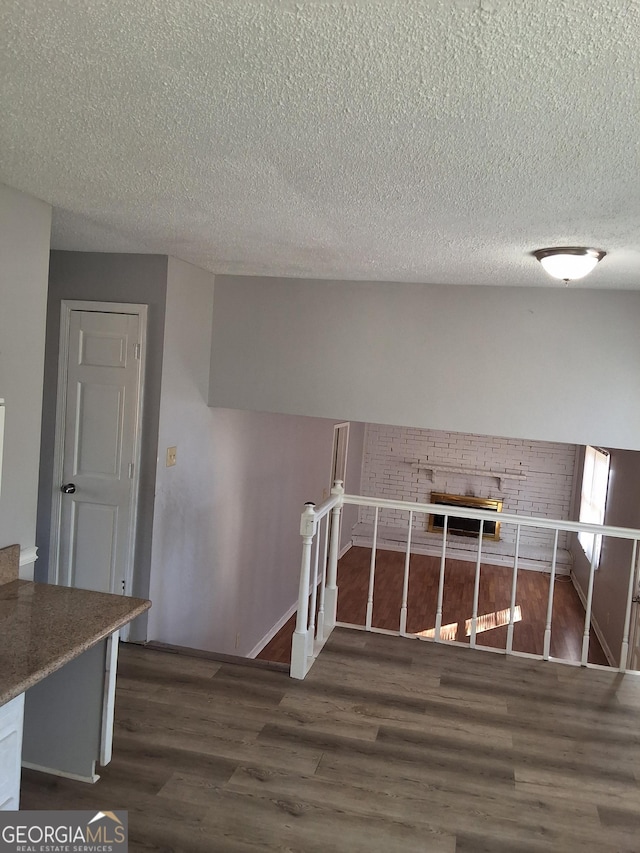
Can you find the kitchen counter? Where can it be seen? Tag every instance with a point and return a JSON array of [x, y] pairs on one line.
[[58, 660], [43, 627]]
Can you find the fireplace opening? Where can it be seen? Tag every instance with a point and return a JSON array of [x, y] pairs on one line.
[[465, 526]]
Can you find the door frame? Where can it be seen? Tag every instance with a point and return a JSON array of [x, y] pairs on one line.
[[334, 449], [343, 425], [66, 307]]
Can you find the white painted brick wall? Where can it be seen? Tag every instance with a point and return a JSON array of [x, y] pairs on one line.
[[546, 491]]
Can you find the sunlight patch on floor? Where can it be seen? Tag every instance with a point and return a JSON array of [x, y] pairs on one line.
[[493, 620], [447, 632]]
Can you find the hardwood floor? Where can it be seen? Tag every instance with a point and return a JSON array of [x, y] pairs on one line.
[[389, 744], [495, 596]]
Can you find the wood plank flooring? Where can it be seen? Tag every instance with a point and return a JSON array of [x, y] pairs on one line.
[[389, 744], [495, 596]]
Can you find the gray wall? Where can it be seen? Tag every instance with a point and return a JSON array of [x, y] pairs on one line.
[[518, 362], [218, 546], [226, 545], [107, 278], [612, 578], [25, 227]]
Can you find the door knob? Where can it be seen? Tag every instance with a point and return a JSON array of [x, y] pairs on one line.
[[68, 488]]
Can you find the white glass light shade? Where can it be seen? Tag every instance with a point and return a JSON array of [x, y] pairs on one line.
[[568, 263]]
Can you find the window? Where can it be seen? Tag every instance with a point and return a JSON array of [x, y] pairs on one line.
[[593, 498]]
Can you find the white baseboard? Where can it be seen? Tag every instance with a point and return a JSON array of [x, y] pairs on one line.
[[255, 651], [453, 553], [344, 549], [594, 623], [91, 780], [259, 646]]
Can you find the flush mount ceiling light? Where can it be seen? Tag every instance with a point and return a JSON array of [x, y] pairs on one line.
[[569, 262]]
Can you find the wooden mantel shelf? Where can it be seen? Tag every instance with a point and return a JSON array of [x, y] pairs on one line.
[[444, 468]]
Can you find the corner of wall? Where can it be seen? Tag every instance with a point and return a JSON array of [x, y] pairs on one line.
[[25, 230]]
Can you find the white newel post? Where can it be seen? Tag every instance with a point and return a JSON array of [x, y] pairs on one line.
[[331, 592], [299, 643], [624, 650]]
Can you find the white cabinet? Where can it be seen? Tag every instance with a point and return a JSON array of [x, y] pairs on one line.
[[11, 717]]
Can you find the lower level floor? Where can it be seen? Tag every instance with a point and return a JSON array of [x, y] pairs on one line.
[[494, 599]]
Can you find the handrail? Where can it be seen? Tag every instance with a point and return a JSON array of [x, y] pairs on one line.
[[502, 517], [318, 590], [326, 506]]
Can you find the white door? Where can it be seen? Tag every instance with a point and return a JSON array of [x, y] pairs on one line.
[[95, 482]]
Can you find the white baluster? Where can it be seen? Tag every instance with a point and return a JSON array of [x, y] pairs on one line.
[[372, 572], [299, 641], [405, 586], [311, 633], [441, 581], [552, 582], [624, 649], [514, 584], [323, 581], [587, 618], [476, 588], [331, 595]]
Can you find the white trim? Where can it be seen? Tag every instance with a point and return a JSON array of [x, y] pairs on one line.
[[460, 645], [336, 434], [594, 622], [344, 549], [634, 630], [109, 698], [334, 448], [91, 780], [633, 672], [371, 630], [66, 307], [259, 646], [28, 555], [531, 564], [58, 449]]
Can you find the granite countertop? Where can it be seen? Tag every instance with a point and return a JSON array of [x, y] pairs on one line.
[[43, 626]]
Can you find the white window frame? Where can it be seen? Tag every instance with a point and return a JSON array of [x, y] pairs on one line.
[[593, 498]]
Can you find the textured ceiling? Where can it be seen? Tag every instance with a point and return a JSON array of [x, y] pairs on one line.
[[410, 141]]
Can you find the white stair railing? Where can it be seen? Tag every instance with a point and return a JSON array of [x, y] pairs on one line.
[[318, 590], [311, 633]]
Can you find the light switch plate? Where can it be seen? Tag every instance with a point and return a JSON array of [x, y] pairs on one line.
[[172, 453]]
